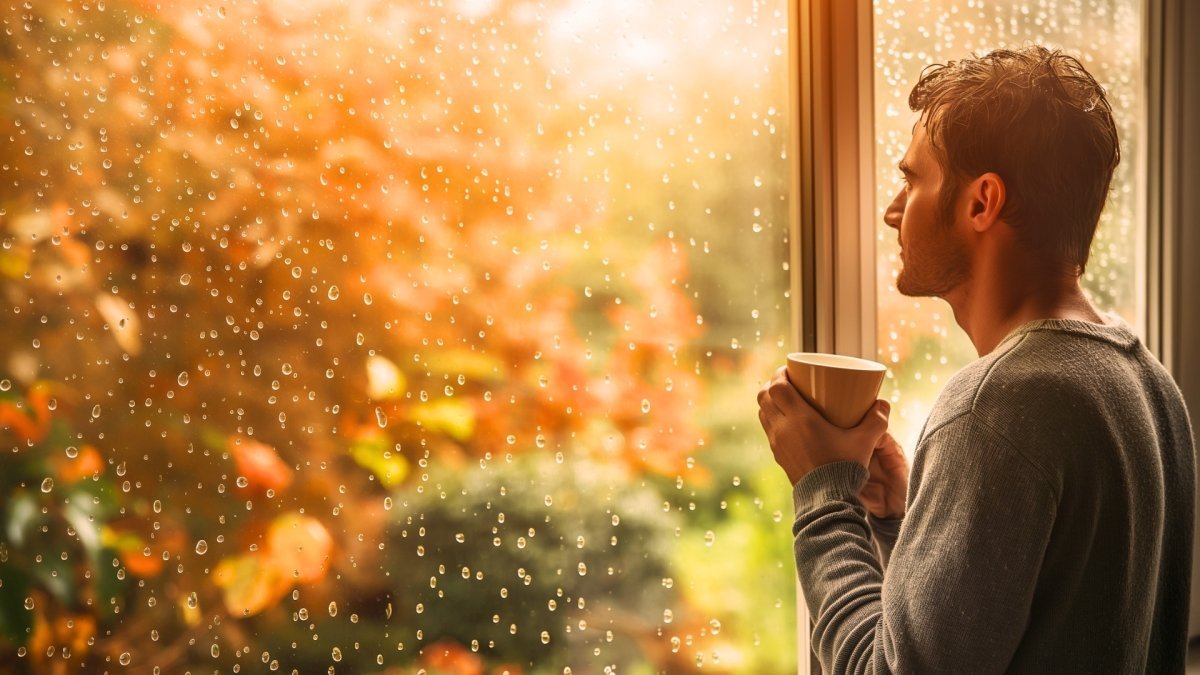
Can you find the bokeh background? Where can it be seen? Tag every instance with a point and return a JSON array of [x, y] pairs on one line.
[[360, 336]]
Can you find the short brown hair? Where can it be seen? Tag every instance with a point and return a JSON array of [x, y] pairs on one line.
[[1040, 121]]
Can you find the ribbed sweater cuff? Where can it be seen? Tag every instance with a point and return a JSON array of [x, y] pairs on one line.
[[838, 481]]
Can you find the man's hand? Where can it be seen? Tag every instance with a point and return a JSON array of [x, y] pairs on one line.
[[886, 490], [801, 439]]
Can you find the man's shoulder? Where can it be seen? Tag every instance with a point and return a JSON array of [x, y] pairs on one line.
[[1032, 375]]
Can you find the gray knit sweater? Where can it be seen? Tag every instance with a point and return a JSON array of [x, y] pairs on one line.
[[1049, 522]]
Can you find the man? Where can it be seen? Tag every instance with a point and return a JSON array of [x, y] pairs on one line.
[[1048, 523]]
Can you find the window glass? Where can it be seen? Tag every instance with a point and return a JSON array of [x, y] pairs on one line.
[[917, 337], [363, 336]]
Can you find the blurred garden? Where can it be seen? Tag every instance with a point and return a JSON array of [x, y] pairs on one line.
[[358, 336]]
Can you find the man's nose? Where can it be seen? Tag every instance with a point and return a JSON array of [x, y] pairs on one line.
[[895, 211]]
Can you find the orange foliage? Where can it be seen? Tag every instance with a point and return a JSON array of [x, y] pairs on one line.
[[259, 464], [298, 551], [58, 635], [85, 464]]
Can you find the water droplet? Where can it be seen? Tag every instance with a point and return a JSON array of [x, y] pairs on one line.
[[545, 637], [182, 379], [709, 538], [549, 500], [296, 272], [47, 485], [333, 292], [380, 418], [201, 547], [387, 503], [333, 609], [337, 654], [668, 616], [582, 569], [185, 279], [96, 411], [215, 651], [28, 603], [645, 406], [124, 659], [460, 537], [286, 369], [157, 506], [192, 600], [242, 481], [72, 451]]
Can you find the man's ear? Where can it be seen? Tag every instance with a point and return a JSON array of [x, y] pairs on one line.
[[986, 196]]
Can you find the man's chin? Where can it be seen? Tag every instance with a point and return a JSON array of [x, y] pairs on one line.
[[911, 288]]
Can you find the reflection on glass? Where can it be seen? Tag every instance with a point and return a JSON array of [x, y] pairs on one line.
[[360, 336], [917, 337]]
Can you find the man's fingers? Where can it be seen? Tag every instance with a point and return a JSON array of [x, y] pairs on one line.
[[785, 395], [875, 422]]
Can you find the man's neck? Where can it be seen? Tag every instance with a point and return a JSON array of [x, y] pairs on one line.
[[991, 306]]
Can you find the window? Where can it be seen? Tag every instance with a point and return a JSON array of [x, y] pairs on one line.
[[917, 337], [357, 335]]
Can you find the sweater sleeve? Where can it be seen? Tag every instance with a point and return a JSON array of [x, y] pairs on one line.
[[885, 531], [961, 576]]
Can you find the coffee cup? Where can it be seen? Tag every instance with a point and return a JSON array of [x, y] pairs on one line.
[[841, 388]]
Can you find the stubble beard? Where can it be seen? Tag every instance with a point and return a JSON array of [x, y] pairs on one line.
[[935, 267]]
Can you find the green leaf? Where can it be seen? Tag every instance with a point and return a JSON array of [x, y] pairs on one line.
[[15, 621], [54, 574]]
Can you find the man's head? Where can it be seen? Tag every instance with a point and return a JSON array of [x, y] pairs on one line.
[[1039, 128]]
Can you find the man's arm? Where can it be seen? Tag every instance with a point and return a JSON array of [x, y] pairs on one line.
[[960, 581]]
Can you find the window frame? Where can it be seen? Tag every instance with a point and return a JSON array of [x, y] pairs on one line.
[[832, 225]]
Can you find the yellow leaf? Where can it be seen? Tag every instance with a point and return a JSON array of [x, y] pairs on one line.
[[250, 584], [449, 416], [373, 453], [473, 365]]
